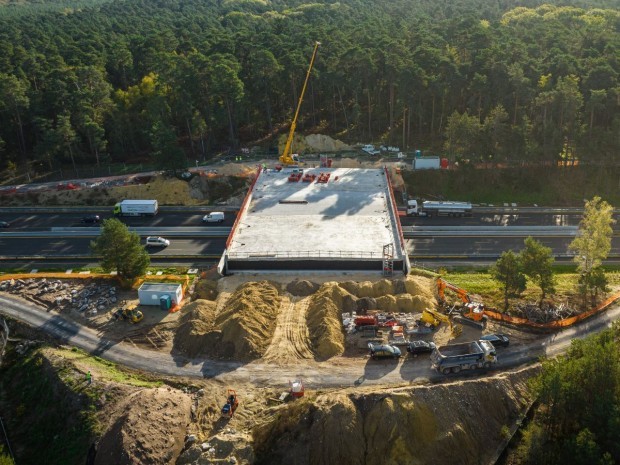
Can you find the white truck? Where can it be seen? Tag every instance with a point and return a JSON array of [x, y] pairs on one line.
[[436, 208], [426, 163], [136, 208], [466, 356], [370, 149]]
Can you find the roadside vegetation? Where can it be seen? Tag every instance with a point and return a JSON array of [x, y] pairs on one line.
[[48, 405], [577, 414]]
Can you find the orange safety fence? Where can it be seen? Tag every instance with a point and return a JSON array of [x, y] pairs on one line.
[[558, 324], [77, 275]]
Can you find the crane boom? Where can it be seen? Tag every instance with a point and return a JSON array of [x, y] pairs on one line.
[[286, 158]]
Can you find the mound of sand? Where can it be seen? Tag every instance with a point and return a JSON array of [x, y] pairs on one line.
[[248, 320], [195, 334], [205, 289], [150, 429], [167, 191], [410, 295], [301, 287], [324, 320], [419, 425]]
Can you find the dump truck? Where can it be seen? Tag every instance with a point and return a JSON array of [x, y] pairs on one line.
[[430, 208], [136, 208], [466, 356]]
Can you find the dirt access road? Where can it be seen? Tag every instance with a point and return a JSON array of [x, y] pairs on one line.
[[336, 372]]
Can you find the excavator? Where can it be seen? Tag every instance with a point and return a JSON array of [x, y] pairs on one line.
[[287, 158], [472, 313], [433, 317]]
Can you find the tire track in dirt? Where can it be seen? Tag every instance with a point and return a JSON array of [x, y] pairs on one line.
[[291, 340]]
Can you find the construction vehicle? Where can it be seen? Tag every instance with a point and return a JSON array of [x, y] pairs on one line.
[[467, 356], [130, 313], [287, 158], [472, 313], [232, 402], [433, 208], [434, 318]]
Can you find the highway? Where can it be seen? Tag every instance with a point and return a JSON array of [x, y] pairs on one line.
[[42, 236]]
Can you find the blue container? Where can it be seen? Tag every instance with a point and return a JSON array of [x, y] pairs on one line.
[[418, 153], [165, 302]]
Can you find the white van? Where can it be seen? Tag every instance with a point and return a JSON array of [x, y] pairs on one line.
[[213, 217], [153, 241]]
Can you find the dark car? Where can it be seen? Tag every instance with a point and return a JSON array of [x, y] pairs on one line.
[[91, 219], [498, 340], [4, 224], [378, 351], [420, 347]]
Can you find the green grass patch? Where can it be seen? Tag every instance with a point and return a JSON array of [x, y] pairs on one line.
[[106, 370], [481, 283]]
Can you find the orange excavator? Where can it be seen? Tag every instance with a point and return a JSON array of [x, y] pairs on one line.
[[287, 158], [472, 313]]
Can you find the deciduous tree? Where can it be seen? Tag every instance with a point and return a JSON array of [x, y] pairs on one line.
[[593, 243]]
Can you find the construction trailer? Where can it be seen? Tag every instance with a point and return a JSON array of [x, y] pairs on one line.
[[160, 294]]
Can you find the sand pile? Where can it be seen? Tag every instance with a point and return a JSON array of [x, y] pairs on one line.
[[150, 429], [167, 191], [248, 320], [301, 287], [419, 425], [410, 295], [324, 320], [205, 289], [196, 332]]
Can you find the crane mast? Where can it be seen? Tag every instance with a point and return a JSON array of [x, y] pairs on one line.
[[287, 158]]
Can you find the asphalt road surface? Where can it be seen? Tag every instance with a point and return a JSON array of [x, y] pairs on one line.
[[337, 372]]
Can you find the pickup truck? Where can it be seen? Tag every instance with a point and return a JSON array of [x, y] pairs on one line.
[[370, 149], [466, 356]]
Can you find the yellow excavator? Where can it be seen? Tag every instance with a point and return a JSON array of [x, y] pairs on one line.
[[433, 317], [287, 158]]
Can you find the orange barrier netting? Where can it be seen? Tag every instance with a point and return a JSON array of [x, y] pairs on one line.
[[558, 324]]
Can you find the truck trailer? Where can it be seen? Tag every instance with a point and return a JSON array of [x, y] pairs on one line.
[[434, 208], [466, 356], [426, 163], [136, 208]]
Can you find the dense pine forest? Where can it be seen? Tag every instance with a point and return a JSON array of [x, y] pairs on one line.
[[169, 81]]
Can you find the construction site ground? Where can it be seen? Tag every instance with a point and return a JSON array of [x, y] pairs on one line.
[[408, 422]]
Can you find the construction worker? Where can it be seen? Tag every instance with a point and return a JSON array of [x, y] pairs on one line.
[[89, 377]]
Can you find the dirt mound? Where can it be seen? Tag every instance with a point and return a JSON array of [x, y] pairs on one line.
[[167, 191], [410, 295], [194, 334], [151, 429], [419, 425], [248, 320], [205, 289], [324, 320], [301, 287]]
